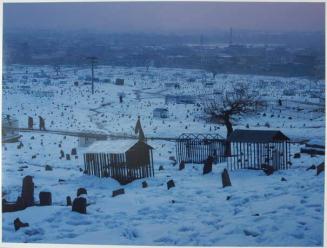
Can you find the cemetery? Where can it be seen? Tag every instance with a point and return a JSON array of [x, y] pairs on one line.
[[91, 172]]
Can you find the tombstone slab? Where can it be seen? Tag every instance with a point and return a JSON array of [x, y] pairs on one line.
[[18, 224], [312, 167], [144, 184], [68, 201], [28, 191], [225, 179], [118, 192], [268, 169], [74, 151], [79, 205], [297, 155], [320, 168], [181, 165], [170, 184], [45, 198]]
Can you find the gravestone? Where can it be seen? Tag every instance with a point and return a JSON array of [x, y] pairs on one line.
[[79, 205], [170, 184], [297, 155], [207, 167], [74, 152], [312, 167], [225, 179], [320, 168], [283, 179], [118, 192], [48, 168], [161, 167], [45, 198], [18, 224], [67, 156], [68, 201], [182, 165], [144, 184], [268, 169], [28, 191], [81, 191]]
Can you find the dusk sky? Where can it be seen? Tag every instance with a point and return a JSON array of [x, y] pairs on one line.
[[166, 17]]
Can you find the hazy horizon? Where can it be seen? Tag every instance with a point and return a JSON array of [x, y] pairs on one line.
[[166, 17]]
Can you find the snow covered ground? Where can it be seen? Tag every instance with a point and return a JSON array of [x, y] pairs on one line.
[[256, 210]]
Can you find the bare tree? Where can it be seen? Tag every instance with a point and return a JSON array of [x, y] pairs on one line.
[[233, 104]]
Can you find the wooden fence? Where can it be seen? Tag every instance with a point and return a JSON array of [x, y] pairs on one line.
[[115, 166], [192, 148], [254, 155]]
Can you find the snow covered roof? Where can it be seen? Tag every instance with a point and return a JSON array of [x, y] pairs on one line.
[[111, 146], [257, 136]]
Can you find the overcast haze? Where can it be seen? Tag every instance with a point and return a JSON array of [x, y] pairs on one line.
[[166, 16]]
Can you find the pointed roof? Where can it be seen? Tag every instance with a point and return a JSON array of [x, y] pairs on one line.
[[139, 130], [263, 136]]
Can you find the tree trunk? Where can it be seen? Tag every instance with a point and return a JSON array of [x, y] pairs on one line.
[[229, 127]]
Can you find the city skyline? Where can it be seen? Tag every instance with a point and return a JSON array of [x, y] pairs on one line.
[[166, 17]]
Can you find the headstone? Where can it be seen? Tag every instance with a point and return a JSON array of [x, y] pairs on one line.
[[48, 168], [79, 205], [251, 233], [182, 165], [207, 167], [225, 179], [74, 152], [297, 155], [170, 184], [312, 167], [283, 179], [45, 198], [67, 156], [144, 184], [320, 168], [18, 224], [81, 191], [268, 169], [68, 201], [28, 191], [161, 167], [118, 192]]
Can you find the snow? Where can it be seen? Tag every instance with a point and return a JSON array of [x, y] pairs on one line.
[[261, 210], [111, 146]]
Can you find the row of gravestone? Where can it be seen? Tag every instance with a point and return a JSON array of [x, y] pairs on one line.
[[73, 153], [207, 168], [27, 198]]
